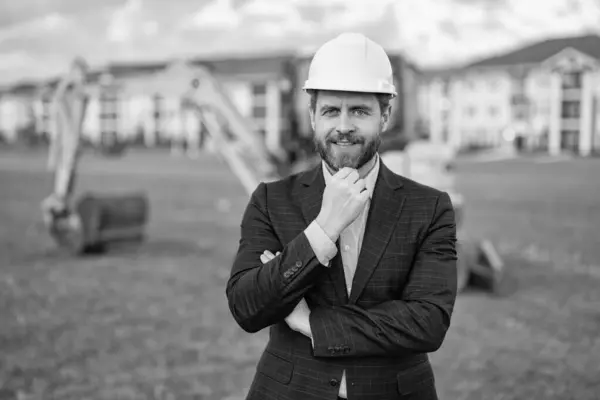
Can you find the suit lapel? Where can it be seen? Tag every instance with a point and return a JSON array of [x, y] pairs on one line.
[[338, 279], [384, 212], [309, 196]]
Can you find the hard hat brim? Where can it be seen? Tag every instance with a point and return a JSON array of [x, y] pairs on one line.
[[375, 87]]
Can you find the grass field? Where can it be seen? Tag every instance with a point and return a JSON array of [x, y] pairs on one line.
[[153, 323]]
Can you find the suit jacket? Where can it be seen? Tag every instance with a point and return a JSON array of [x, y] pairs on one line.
[[400, 305]]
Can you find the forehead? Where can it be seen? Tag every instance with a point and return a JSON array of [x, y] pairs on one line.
[[331, 98]]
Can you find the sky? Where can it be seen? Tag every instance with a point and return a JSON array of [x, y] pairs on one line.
[[39, 38]]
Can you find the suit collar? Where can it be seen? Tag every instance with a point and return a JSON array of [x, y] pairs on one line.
[[385, 209]]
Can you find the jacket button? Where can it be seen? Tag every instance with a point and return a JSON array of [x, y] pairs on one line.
[[298, 264], [334, 382], [287, 274]]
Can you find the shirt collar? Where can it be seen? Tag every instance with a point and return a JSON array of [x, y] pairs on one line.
[[370, 179]]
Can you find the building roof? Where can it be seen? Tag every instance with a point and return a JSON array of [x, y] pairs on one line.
[[540, 51]]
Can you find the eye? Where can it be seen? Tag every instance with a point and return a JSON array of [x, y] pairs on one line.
[[330, 112], [361, 112]]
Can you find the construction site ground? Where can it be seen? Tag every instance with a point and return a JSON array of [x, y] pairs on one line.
[[153, 322]]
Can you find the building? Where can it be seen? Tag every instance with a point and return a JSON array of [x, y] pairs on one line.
[[139, 102], [545, 96]]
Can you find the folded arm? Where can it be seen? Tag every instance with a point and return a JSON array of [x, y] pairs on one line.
[[261, 295], [416, 323]]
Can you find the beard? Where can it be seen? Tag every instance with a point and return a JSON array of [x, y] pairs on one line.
[[337, 159]]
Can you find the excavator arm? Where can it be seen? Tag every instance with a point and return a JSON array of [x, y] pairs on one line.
[[68, 108], [236, 137]]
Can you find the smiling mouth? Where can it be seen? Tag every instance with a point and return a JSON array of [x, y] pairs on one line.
[[344, 143]]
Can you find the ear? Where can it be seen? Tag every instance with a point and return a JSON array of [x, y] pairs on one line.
[[385, 118], [312, 117]]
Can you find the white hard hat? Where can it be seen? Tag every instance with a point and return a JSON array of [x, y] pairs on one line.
[[351, 62]]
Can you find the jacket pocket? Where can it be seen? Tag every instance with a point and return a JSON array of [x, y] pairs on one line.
[[275, 367]]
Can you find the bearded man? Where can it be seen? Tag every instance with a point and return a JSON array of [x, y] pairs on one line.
[[351, 266]]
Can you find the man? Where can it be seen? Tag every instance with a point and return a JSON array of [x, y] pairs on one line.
[[351, 266]]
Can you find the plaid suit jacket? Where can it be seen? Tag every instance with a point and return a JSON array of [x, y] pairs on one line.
[[401, 301]]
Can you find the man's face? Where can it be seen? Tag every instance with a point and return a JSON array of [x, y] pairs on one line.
[[347, 128]]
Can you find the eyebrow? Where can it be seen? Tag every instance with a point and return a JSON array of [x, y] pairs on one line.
[[326, 107]]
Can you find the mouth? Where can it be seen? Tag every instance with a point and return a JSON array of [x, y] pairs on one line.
[[344, 143]]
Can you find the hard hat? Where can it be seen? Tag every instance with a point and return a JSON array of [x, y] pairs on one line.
[[351, 62]]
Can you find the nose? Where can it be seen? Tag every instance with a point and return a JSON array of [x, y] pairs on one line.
[[345, 124]]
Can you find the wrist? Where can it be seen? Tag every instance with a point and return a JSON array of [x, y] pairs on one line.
[[328, 228]]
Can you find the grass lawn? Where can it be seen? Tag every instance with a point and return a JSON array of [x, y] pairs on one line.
[[153, 322]]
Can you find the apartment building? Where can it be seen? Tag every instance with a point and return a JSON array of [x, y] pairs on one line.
[[139, 102], [543, 96]]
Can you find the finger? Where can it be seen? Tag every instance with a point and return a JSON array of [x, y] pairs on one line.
[[343, 173], [352, 177], [364, 196], [278, 253], [360, 185], [267, 257], [268, 253], [264, 259]]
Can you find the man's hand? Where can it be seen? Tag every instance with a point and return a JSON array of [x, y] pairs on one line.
[[344, 199], [298, 320]]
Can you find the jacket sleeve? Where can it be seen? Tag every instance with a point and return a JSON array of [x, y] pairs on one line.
[[260, 295], [417, 323]]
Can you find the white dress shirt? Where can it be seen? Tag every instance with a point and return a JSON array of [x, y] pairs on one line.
[[350, 241]]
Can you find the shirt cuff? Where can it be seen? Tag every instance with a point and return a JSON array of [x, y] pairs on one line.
[[321, 244]]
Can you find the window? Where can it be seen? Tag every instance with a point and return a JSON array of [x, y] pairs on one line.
[[259, 111], [571, 80], [569, 140], [46, 115], [470, 111], [109, 113], [158, 103], [571, 109], [493, 111], [259, 89], [446, 88]]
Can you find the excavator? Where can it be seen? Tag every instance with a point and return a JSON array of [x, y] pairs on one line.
[[92, 222]]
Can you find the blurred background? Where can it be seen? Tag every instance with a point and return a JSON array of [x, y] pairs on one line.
[[499, 102]]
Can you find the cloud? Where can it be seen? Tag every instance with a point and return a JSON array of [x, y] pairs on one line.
[[273, 18], [42, 25], [129, 21], [357, 12], [39, 35], [219, 14]]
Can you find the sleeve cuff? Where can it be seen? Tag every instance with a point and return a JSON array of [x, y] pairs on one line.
[[321, 244]]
